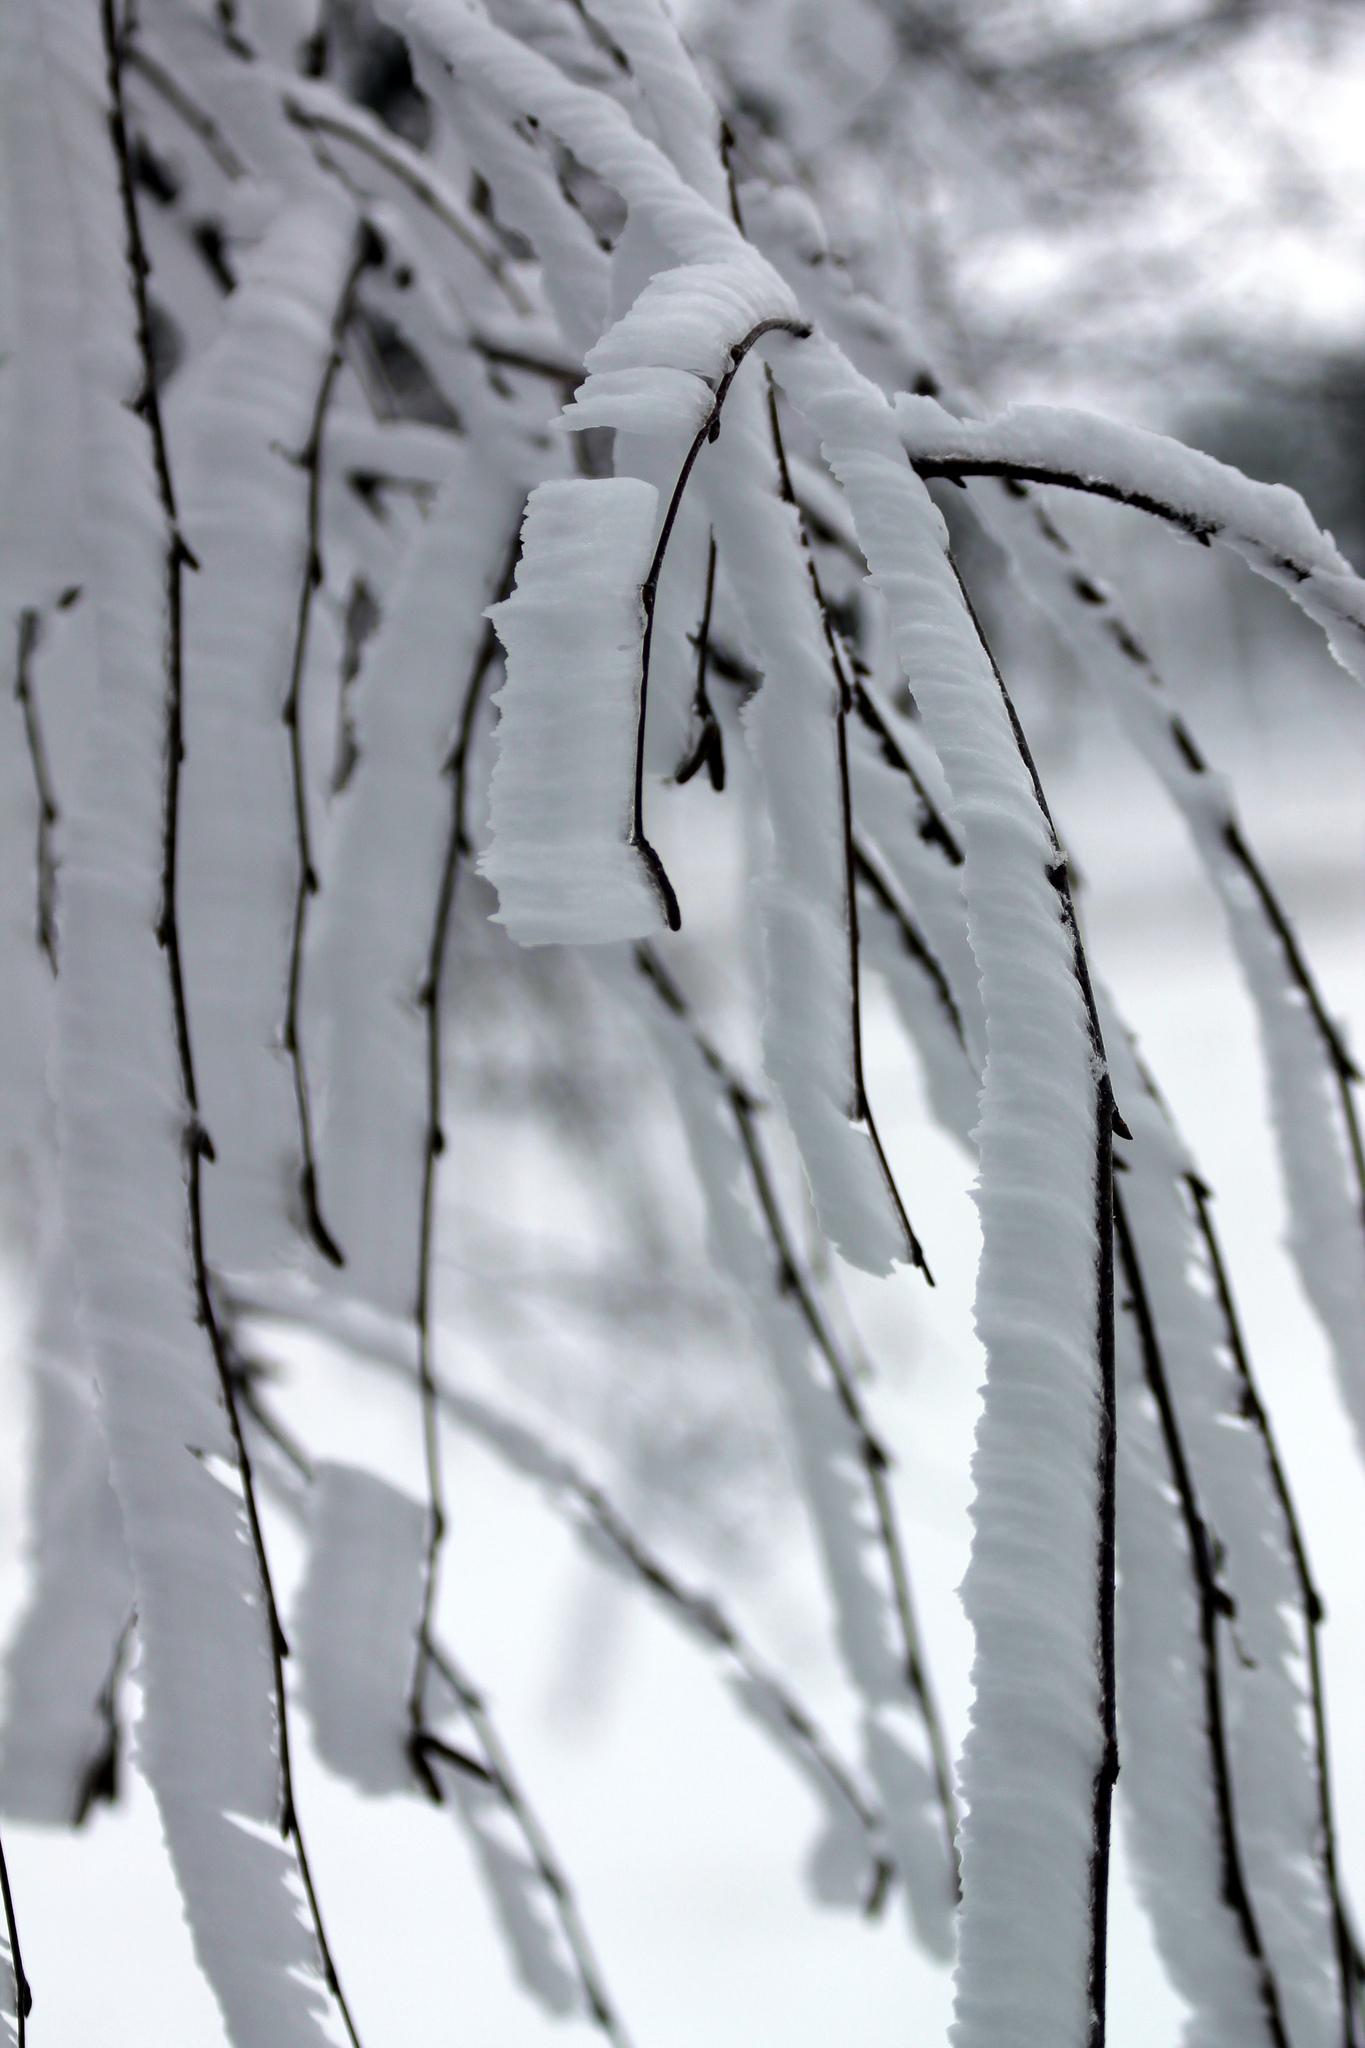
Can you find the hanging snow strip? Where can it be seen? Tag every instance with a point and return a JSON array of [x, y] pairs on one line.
[[567, 853]]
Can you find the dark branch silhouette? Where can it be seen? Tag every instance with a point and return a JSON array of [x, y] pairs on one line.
[[366, 252], [457, 846], [45, 924]]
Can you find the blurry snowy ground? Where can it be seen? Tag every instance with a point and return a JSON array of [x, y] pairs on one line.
[[683, 1828]]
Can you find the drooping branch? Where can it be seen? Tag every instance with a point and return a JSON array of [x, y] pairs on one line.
[[843, 704], [197, 1141], [1213, 1605], [457, 848], [366, 253], [1208, 501]]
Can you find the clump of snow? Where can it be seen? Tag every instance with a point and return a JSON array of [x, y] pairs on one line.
[[560, 799]]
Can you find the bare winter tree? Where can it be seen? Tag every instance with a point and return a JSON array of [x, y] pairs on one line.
[[462, 531]]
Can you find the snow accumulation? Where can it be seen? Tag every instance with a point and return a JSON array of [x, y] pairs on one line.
[[560, 800]]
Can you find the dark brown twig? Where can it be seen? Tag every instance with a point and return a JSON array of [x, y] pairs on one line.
[[99, 1781], [198, 1145], [912, 939]]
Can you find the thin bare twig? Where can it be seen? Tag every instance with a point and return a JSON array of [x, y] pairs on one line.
[[366, 252], [30, 632], [457, 846]]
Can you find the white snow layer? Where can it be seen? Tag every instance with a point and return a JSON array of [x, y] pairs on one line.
[[559, 853], [355, 1624], [1035, 1741]]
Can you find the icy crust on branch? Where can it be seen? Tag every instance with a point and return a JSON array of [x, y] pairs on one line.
[[208, 1739], [559, 852], [369, 965], [242, 421], [59, 1663], [835, 1483], [355, 1624], [1030, 1760], [1268, 525], [1274, 1772]]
